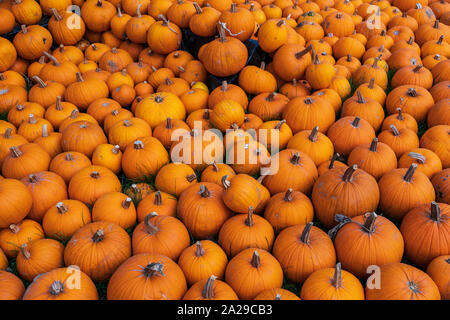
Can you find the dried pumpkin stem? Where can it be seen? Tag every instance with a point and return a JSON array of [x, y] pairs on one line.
[[300, 54], [412, 92], [199, 252], [256, 260], [14, 228], [150, 227], [158, 198], [69, 157], [288, 195], [204, 192], [360, 97], [249, 219], [279, 124], [208, 290], [355, 122], [417, 156], [197, 8], [25, 252], [7, 134], [400, 114], [410, 172], [115, 149], [304, 237], [394, 130], [295, 159], [95, 174], [15, 152], [39, 81], [371, 83], [24, 29], [337, 277], [98, 236], [348, 174], [154, 269], [369, 222], [44, 131], [373, 145], [62, 208], [224, 86], [225, 183], [313, 135], [191, 177], [138, 145], [435, 212], [56, 288], [79, 77], [52, 58], [333, 159], [441, 38], [126, 204]]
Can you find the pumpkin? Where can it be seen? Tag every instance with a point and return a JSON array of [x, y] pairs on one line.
[[253, 271], [137, 27], [8, 54], [400, 141], [365, 108], [17, 202], [427, 161], [214, 173], [439, 181], [11, 77], [108, 156], [303, 249], [144, 158], [9, 21], [64, 72], [166, 130], [83, 137], [32, 41], [26, 11], [400, 281], [174, 178], [57, 284], [268, 105], [152, 236], [436, 139], [438, 271], [439, 91], [147, 277], [276, 294], [332, 284], [375, 158], [368, 71], [426, 224], [400, 120], [97, 14], [62, 220], [210, 289], [66, 164], [201, 260], [39, 256], [66, 27], [131, 6], [3, 261], [404, 189], [124, 133], [287, 209], [226, 114], [84, 92], [162, 203], [13, 237], [33, 128], [331, 96], [256, 80], [164, 36], [11, 95], [24, 160], [8, 140], [115, 207], [91, 183], [12, 287], [203, 22], [319, 74], [227, 92]]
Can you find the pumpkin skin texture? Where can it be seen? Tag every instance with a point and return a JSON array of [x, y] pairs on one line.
[[83, 137], [46, 188], [439, 271], [58, 285], [201, 209], [244, 231], [115, 207], [402, 190], [39, 256], [147, 277], [427, 161], [286, 209], [62, 220], [336, 190], [210, 289], [91, 183], [332, 284], [67, 164], [299, 258], [24, 160], [374, 241], [97, 14], [98, 248], [16, 202], [8, 54], [201, 260], [276, 294], [441, 183], [437, 139], [162, 203], [400, 281], [3, 261], [164, 235], [32, 41], [252, 271], [12, 238], [83, 92], [11, 287], [426, 233]]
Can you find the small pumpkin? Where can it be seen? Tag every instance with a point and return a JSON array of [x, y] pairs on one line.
[[12, 238]]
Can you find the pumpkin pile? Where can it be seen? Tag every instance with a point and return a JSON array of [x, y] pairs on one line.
[[98, 99]]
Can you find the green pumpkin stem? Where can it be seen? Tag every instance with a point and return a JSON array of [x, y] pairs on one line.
[[208, 290], [306, 232]]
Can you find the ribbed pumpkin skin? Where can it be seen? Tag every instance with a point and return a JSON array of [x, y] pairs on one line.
[[12, 238], [16, 202], [11, 287], [130, 282], [39, 289], [221, 291], [98, 258], [439, 271], [271, 294], [396, 279]]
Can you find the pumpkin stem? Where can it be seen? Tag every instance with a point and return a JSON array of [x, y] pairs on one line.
[[95, 174], [25, 252], [226, 183], [414, 287], [52, 58], [115, 149], [313, 135], [417, 68], [150, 227], [14, 228], [56, 288], [288, 195], [32, 119], [333, 159], [199, 252], [15, 152], [300, 54], [182, 70], [222, 35], [348, 174], [295, 159], [224, 86], [233, 8], [355, 122], [204, 192], [304, 237], [375, 62], [360, 97], [127, 123], [400, 114], [7, 133], [281, 23], [215, 167], [279, 124], [208, 290], [435, 211], [138, 10], [153, 269], [441, 38], [69, 157], [2, 77], [394, 130], [20, 107], [337, 277], [417, 156], [99, 3], [369, 222], [197, 8], [263, 65], [24, 29], [436, 24], [168, 81], [412, 92], [278, 296], [39, 81], [249, 220], [98, 236], [191, 177], [44, 131], [256, 260], [138, 145], [159, 99], [410, 172], [371, 83], [373, 145], [158, 198], [126, 204], [32, 178], [271, 96], [79, 77], [74, 114]]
